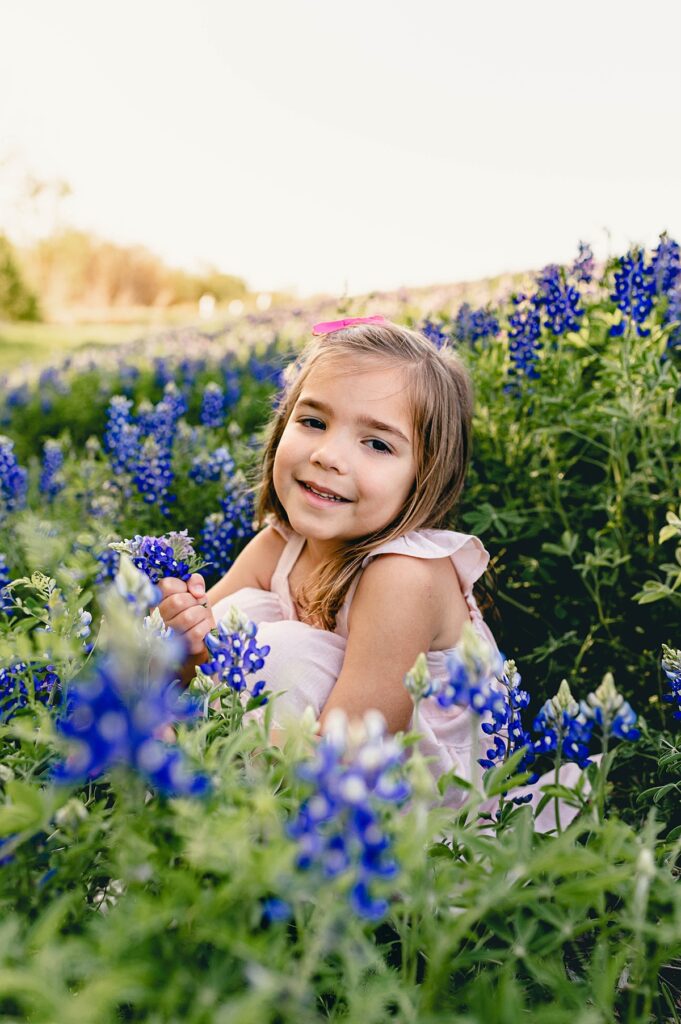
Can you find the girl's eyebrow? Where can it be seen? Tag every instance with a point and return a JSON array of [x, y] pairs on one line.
[[365, 421]]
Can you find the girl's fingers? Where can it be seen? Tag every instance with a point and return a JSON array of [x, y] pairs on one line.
[[169, 585], [196, 585]]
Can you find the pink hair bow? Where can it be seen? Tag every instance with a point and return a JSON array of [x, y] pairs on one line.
[[326, 327]]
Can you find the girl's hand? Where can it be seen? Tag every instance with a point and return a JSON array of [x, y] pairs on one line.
[[185, 609]]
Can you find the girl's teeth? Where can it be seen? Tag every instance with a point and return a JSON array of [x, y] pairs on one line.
[[329, 497]]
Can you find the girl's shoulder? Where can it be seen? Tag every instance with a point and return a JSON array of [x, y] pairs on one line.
[[277, 527], [467, 552]]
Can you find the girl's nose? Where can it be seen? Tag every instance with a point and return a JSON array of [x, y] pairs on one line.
[[330, 455]]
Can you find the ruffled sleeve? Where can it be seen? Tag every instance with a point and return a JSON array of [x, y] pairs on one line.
[[467, 552]]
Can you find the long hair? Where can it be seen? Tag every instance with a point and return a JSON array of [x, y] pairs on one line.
[[441, 404]]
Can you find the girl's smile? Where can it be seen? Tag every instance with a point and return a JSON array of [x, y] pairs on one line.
[[349, 436]]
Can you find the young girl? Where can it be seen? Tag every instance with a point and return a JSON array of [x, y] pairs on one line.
[[355, 573]]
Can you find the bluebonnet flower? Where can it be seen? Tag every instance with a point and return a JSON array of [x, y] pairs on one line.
[[5, 856], [128, 374], [22, 684], [435, 332], [170, 555], [473, 325], [509, 734], [235, 654], [153, 475], [634, 291], [232, 385], [13, 479], [354, 774], [5, 578], [51, 479], [51, 377], [111, 723], [84, 621], [189, 369], [583, 267], [563, 728], [559, 301], [264, 367], [524, 328], [472, 668], [134, 586], [210, 466], [274, 909], [666, 265], [18, 397], [608, 709], [213, 405], [672, 315], [222, 531], [163, 374], [108, 565], [671, 665], [122, 435]]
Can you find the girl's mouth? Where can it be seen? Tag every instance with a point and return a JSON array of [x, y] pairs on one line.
[[320, 500]]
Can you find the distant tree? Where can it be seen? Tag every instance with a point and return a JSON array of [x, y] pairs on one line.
[[17, 301], [76, 268]]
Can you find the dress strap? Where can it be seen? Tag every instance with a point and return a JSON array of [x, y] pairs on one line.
[[279, 583]]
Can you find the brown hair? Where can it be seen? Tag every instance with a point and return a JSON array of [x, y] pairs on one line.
[[441, 401]]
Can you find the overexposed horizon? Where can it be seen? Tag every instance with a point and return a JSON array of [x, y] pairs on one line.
[[310, 147]]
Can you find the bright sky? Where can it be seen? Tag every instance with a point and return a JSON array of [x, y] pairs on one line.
[[319, 145]]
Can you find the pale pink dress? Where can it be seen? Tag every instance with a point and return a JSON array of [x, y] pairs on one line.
[[305, 662]]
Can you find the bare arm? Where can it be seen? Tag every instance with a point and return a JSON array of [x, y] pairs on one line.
[[396, 614]]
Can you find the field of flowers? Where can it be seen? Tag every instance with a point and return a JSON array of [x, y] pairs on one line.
[[160, 861]]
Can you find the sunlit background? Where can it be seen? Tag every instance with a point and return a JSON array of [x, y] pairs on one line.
[[309, 146]]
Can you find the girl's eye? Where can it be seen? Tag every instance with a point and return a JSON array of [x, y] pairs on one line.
[[383, 450]]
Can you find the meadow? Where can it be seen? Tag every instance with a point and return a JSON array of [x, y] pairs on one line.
[[217, 878]]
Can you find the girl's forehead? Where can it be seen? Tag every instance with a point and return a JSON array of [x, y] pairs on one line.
[[371, 376]]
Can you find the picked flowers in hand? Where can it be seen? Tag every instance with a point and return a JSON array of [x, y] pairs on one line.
[[169, 555]]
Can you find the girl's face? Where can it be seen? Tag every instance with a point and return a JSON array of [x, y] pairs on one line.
[[350, 433]]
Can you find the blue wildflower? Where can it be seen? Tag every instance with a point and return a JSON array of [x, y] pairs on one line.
[[666, 265], [163, 374], [583, 267], [559, 301], [671, 666], [157, 557], [509, 735], [5, 578], [608, 709], [275, 909], [51, 479], [213, 405], [634, 291], [153, 475], [524, 328], [107, 561], [13, 479], [23, 684], [338, 827], [473, 325], [122, 435], [234, 654], [134, 586], [472, 669], [434, 332], [112, 723], [672, 316], [563, 728], [210, 466], [223, 531]]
